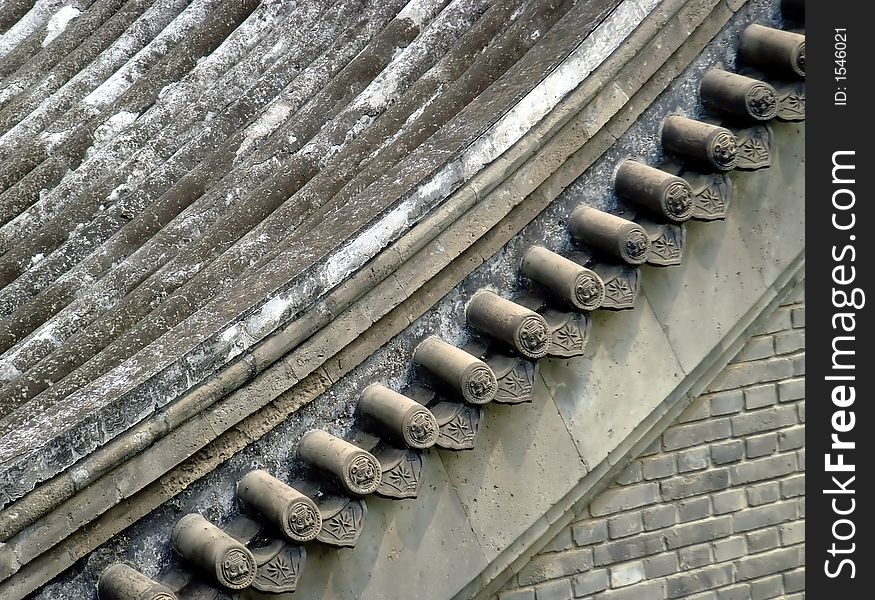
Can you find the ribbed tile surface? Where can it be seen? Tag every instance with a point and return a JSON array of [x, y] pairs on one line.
[[170, 166]]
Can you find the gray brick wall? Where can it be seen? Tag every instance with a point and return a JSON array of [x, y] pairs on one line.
[[715, 509]]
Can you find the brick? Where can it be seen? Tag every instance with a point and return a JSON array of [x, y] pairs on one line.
[[764, 420], [556, 565], [795, 296], [797, 363], [627, 574], [659, 516], [764, 493], [693, 434], [590, 583], [763, 468], [727, 452], [524, 594], [758, 347], [694, 509], [770, 587], [729, 501], [791, 438], [659, 467], [794, 581], [764, 516], [779, 320], [757, 446], [734, 592], [760, 396], [791, 389], [694, 484], [792, 533], [655, 447], [698, 532], [750, 373], [727, 403], [590, 532], [729, 548], [800, 507], [629, 549], [762, 540], [617, 499], [554, 590], [767, 563], [562, 541], [800, 408], [694, 557], [694, 459], [699, 409], [684, 584], [652, 590], [797, 317], [709, 595], [793, 486], [625, 524], [631, 474], [790, 341], [661, 565]]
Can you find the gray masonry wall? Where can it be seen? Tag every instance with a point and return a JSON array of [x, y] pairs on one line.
[[714, 510]]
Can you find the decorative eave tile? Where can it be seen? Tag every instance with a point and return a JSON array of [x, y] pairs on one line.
[[402, 472], [754, 148], [622, 285], [279, 566], [568, 332], [791, 101], [666, 242], [458, 424], [712, 193], [516, 377]]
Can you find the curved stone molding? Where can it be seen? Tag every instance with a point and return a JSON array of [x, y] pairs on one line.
[[754, 148], [402, 472], [621, 285], [700, 143], [666, 242], [773, 51], [357, 471], [573, 284], [516, 326], [659, 192], [404, 419], [614, 236], [283, 507], [279, 566], [464, 376], [738, 96], [214, 552], [516, 377], [458, 424], [791, 101], [712, 193], [568, 332], [121, 582], [342, 520]]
